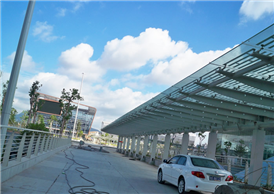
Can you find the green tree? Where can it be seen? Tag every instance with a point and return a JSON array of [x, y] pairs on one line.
[[201, 137], [78, 127], [240, 148], [51, 120], [34, 104], [80, 134], [227, 146], [41, 119], [13, 110], [24, 119], [4, 91], [218, 148], [65, 102], [12, 116]]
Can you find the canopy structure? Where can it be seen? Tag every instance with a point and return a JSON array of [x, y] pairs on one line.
[[233, 93]]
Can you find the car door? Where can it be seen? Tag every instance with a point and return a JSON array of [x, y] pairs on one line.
[[178, 169], [169, 168]]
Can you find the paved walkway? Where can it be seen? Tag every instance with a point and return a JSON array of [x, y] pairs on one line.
[[111, 172]]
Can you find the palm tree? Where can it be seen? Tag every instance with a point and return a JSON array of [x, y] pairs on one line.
[[52, 118]]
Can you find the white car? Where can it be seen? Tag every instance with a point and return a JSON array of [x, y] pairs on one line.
[[193, 173]]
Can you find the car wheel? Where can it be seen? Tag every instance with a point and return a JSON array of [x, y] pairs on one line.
[[181, 186], [160, 177]]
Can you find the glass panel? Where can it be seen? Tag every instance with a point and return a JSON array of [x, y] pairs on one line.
[[201, 162]]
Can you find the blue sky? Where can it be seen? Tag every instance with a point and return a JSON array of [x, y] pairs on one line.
[[129, 51]]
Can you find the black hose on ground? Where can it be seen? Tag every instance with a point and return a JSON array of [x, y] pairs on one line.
[[84, 189]]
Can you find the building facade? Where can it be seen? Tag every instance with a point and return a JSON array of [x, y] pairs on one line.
[[85, 116]]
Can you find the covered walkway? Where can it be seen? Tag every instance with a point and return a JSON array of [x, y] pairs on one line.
[[111, 172], [233, 94]]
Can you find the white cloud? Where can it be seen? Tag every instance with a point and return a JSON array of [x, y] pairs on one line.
[[77, 6], [134, 52], [255, 10], [181, 66], [44, 32], [61, 12], [27, 62], [185, 5], [75, 61], [109, 104], [114, 82], [112, 104], [169, 61]]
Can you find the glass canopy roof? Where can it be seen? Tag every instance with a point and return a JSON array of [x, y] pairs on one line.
[[234, 92]]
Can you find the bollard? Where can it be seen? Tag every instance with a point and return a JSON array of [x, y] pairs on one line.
[[269, 176], [100, 149], [229, 165], [246, 172]]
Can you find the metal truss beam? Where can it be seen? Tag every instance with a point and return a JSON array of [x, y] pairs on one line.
[[253, 82], [203, 116], [242, 111], [199, 110], [243, 96], [185, 117]]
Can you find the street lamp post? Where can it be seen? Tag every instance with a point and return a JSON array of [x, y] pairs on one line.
[[15, 71], [77, 107]]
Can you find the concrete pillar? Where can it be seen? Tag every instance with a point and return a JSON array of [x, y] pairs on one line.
[[124, 145], [185, 140], [153, 146], [133, 145], [211, 148], [257, 151], [145, 147], [166, 147], [118, 143], [137, 147], [128, 143], [151, 141]]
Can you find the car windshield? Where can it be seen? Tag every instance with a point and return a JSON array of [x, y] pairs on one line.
[[202, 162]]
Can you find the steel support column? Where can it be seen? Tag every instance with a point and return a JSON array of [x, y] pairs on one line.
[[153, 146], [145, 147], [124, 145], [132, 150], [166, 147], [128, 143], [256, 162], [137, 146], [211, 148], [185, 140]]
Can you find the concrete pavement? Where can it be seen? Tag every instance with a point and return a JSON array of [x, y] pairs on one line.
[[111, 172]]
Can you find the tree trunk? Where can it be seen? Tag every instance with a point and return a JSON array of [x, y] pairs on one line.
[[50, 126]]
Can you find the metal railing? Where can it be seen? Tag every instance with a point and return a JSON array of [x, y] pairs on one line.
[[24, 143], [239, 168]]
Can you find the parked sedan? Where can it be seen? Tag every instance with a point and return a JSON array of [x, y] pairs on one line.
[[193, 173]]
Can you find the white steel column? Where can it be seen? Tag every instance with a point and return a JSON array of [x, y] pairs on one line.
[[256, 163], [121, 144], [153, 146], [137, 146], [184, 146], [211, 148], [118, 143], [124, 145], [133, 145], [145, 147], [128, 142], [150, 149], [166, 148]]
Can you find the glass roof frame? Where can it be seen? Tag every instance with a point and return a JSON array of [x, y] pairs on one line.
[[233, 71]]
